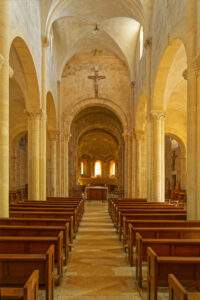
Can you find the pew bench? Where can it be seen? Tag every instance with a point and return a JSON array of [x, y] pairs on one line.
[[45, 215], [44, 232], [160, 233], [16, 268], [178, 292], [66, 223], [29, 291], [158, 268], [35, 245], [155, 223], [163, 247]]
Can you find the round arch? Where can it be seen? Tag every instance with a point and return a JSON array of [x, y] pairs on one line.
[[26, 64], [163, 71], [92, 102]]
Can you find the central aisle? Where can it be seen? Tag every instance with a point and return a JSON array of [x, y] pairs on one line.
[[98, 267]]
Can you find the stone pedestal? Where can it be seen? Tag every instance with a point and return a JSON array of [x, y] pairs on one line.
[[158, 156], [34, 155], [4, 107]]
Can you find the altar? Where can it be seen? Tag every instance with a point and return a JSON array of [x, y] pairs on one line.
[[96, 193]]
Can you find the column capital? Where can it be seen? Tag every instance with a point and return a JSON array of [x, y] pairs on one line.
[[3, 63], [158, 114], [33, 114], [148, 42], [127, 133]]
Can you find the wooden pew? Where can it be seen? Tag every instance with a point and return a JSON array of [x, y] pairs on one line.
[[164, 247], [129, 213], [45, 215], [160, 233], [155, 223], [10, 264], [35, 245], [34, 231], [185, 268], [29, 291], [178, 292], [67, 223]]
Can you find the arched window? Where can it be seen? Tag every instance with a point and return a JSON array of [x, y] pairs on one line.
[[141, 41], [82, 168], [97, 168], [112, 168]]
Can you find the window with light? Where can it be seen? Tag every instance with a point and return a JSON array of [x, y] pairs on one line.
[[141, 41], [97, 168], [82, 168], [112, 168]]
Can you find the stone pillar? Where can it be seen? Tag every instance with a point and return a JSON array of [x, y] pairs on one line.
[[34, 155], [158, 156], [53, 168], [140, 157], [43, 124], [4, 107], [58, 164], [148, 47], [193, 141], [128, 164], [66, 166]]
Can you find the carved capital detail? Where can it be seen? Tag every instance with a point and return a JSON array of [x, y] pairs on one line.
[[34, 114], [158, 114], [139, 135], [148, 42]]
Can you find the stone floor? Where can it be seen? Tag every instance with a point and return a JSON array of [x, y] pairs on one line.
[[98, 268]]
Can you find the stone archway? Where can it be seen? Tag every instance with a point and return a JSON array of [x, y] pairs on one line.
[[100, 124], [27, 102]]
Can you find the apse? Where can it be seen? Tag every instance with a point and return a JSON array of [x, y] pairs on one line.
[[96, 150]]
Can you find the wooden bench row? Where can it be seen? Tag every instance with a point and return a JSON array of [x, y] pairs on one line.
[[41, 235]]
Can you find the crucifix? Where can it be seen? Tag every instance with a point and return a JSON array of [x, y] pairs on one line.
[[96, 77]]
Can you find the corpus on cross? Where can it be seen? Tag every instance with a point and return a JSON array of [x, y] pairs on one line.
[[96, 77]]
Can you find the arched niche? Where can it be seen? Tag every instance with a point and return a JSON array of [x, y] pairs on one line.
[[18, 167], [96, 134], [175, 166]]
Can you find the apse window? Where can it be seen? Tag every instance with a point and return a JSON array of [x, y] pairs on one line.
[[141, 41], [97, 168], [112, 168], [82, 168]]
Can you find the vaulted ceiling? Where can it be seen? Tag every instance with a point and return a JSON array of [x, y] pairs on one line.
[[88, 25]]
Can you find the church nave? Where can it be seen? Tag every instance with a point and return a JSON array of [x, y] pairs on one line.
[[98, 268]]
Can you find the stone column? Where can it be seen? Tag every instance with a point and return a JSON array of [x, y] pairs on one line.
[[193, 115], [4, 107], [158, 156], [148, 47], [66, 165], [34, 155], [43, 123], [128, 164], [140, 174], [53, 168]]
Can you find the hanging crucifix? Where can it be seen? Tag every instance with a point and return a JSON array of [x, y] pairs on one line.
[[96, 77]]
